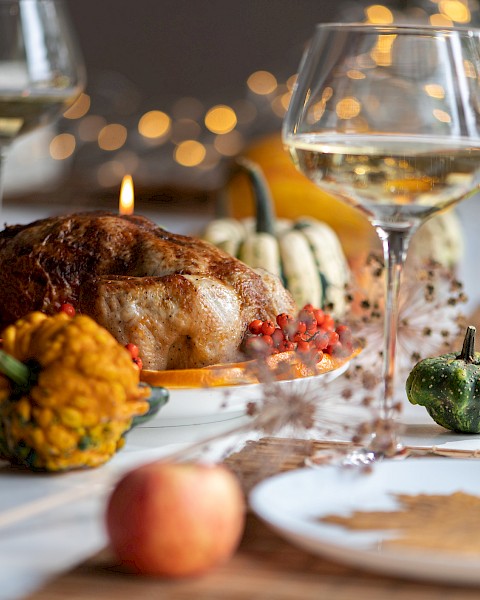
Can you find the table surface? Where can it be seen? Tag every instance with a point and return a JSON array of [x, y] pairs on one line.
[[60, 551], [265, 565]]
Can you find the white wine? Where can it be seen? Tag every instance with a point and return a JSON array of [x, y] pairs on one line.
[[20, 114], [396, 181]]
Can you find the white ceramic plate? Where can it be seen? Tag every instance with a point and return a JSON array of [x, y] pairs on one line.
[[293, 502], [191, 406]]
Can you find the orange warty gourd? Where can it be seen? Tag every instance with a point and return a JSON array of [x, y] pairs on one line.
[[71, 395]]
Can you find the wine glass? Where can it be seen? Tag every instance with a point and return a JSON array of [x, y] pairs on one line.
[[41, 70], [386, 118]]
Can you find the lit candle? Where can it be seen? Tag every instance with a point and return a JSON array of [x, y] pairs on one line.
[[126, 203]]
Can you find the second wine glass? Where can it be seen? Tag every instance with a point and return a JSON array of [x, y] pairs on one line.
[[41, 69], [386, 118]]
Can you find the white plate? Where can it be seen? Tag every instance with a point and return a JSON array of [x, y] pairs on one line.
[[192, 406], [293, 502]]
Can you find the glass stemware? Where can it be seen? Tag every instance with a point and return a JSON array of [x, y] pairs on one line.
[[386, 119], [41, 70]]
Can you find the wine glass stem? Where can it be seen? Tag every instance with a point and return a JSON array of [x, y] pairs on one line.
[[395, 244]]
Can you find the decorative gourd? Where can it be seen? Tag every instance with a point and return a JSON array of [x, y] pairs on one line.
[[440, 239], [69, 394], [306, 254], [449, 387]]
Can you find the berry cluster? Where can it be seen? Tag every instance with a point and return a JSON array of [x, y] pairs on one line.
[[311, 333], [134, 353]]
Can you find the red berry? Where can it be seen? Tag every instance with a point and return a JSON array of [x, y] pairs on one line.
[[268, 327], [321, 340], [336, 350], [138, 361], [255, 326], [328, 322], [301, 327], [303, 346], [319, 316], [309, 307], [68, 309], [277, 337], [261, 346], [284, 320], [307, 316], [267, 339], [133, 349], [344, 334], [333, 338], [286, 346], [299, 337]]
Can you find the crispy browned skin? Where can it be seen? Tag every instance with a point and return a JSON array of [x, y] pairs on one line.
[[181, 300]]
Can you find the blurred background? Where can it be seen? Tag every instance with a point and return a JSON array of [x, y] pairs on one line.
[[177, 88]]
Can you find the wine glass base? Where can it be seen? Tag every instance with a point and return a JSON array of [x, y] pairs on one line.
[[364, 457], [381, 445]]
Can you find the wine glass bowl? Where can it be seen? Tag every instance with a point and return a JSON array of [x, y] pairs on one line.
[[41, 69], [386, 118]]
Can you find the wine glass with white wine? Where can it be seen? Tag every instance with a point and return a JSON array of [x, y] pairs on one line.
[[41, 69], [386, 118]]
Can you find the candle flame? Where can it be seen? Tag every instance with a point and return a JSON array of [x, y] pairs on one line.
[[126, 203]]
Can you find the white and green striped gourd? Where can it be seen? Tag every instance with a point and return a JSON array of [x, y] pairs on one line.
[[306, 253]]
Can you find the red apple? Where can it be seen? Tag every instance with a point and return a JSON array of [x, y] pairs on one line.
[[175, 519]]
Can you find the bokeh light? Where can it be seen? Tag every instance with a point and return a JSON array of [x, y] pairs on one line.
[[435, 91], [62, 146], [291, 81], [220, 119], [348, 108], [442, 116], [189, 153], [355, 74], [455, 10], [154, 124], [112, 137], [439, 20], [379, 14], [262, 83], [79, 108]]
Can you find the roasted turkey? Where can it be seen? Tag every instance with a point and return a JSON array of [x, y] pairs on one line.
[[184, 302]]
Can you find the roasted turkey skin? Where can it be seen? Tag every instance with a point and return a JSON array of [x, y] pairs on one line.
[[184, 302]]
